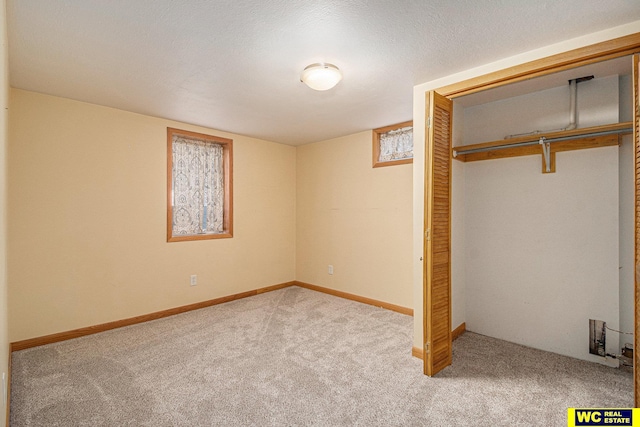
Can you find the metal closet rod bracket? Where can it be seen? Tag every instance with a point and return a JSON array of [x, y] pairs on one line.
[[546, 152]]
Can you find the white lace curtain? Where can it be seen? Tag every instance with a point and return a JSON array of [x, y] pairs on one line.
[[396, 144], [198, 187]]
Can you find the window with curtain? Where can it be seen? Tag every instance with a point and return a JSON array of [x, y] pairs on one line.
[[199, 184], [393, 145]]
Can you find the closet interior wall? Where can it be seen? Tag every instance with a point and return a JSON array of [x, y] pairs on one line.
[[541, 251]]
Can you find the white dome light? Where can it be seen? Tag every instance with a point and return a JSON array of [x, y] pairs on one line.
[[321, 76]]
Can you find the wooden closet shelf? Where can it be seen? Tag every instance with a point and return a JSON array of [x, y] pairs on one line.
[[576, 139]]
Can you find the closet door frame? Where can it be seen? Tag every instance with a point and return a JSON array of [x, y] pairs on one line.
[[610, 49], [636, 168]]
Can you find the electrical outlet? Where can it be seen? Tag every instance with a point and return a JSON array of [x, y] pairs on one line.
[[194, 279], [330, 269]]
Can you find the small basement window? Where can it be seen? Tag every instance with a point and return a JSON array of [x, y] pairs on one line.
[[199, 186], [393, 145]]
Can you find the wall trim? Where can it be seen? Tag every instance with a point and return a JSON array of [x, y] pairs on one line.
[[89, 330], [357, 298], [417, 352], [455, 334]]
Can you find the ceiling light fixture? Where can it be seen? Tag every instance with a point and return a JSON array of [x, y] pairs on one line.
[[321, 76]]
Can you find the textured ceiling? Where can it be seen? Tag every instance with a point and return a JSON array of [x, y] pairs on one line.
[[235, 65]]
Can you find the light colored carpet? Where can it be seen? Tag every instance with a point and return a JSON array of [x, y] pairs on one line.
[[295, 357]]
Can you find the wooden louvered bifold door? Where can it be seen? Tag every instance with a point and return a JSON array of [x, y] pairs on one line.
[[437, 247], [636, 142]]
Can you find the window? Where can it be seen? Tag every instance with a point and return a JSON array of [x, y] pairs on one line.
[[199, 186], [393, 145]]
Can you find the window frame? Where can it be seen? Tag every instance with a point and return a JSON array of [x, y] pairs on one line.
[[376, 145], [227, 153]]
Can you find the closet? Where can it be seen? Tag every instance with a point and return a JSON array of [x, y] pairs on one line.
[[540, 236], [544, 215]]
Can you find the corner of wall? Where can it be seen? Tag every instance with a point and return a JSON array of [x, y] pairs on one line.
[[418, 212]]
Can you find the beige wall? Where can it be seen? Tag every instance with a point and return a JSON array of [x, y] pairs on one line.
[[4, 334], [87, 218], [87, 194], [356, 218]]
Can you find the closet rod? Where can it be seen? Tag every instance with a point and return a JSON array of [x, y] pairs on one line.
[[461, 150]]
